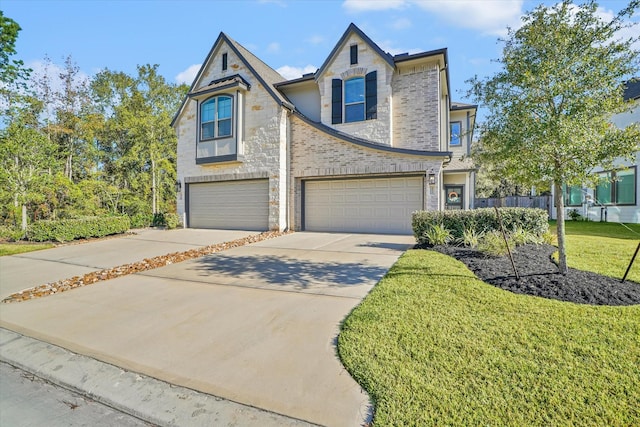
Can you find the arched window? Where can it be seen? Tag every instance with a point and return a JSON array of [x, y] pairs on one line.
[[216, 115]]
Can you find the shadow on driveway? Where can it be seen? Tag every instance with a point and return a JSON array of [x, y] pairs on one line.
[[282, 270]]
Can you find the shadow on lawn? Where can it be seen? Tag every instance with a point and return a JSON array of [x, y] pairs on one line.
[[286, 271]]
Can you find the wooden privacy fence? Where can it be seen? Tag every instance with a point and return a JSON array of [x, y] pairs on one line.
[[541, 202]]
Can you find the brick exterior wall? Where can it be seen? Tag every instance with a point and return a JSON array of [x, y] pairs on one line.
[[263, 139], [416, 117], [315, 154]]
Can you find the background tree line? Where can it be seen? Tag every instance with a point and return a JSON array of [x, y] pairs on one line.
[[72, 145]]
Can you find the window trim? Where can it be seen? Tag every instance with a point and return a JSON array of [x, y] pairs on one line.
[[613, 187], [363, 102], [459, 144], [216, 121]]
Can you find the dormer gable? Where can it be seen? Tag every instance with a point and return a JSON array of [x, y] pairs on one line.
[[341, 46]]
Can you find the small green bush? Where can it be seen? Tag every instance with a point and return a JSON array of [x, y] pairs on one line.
[[10, 234], [141, 220], [492, 243], [171, 220], [549, 238], [437, 235], [574, 215], [158, 220], [520, 236], [65, 230], [470, 237], [482, 220]]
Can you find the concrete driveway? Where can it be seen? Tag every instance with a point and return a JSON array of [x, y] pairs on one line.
[[255, 324]]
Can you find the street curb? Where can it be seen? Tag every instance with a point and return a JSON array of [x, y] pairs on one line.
[[143, 397]]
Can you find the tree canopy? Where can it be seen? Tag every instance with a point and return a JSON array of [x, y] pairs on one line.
[[73, 145], [550, 106]]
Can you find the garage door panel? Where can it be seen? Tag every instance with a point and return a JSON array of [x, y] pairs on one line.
[[367, 205], [230, 205]]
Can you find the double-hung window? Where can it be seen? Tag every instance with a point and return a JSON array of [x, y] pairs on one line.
[[616, 187], [354, 100], [573, 195], [216, 115]]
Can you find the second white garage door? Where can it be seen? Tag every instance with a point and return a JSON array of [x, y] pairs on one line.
[[239, 205], [366, 205]]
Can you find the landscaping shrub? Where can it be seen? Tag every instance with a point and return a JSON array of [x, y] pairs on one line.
[[141, 220], [492, 243], [158, 220], [171, 220], [10, 234], [65, 230], [470, 237], [482, 220], [437, 235], [574, 215]]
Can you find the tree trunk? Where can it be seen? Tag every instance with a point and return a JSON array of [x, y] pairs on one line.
[[153, 186], [24, 217], [562, 250]]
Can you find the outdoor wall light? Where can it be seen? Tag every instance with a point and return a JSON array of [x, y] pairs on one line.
[[178, 186], [432, 179]]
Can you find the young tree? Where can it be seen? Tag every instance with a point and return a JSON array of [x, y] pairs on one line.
[[550, 106]]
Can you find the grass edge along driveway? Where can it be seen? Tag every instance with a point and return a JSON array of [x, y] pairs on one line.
[[433, 345]]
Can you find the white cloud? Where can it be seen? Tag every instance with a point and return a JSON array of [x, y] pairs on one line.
[[273, 47], [289, 72], [386, 45], [315, 39], [488, 16], [368, 5], [187, 76], [401, 24]]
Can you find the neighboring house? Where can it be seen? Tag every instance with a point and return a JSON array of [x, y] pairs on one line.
[[615, 197], [356, 146]]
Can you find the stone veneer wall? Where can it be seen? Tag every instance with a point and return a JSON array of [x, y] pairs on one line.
[[378, 130], [316, 154], [263, 145], [416, 117]]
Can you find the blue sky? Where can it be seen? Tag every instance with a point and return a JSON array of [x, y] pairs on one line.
[[291, 36]]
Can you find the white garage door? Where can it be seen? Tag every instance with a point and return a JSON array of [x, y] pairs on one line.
[[371, 205], [239, 205]]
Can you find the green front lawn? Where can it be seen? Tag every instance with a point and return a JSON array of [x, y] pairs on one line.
[[605, 248], [20, 248], [433, 345]]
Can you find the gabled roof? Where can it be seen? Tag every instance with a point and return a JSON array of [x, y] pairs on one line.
[[266, 75], [354, 29], [632, 89], [234, 80], [461, 106]]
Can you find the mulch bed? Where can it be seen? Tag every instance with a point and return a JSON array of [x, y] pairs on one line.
[[539, 276]]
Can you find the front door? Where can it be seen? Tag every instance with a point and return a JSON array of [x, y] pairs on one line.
[[454, 196]]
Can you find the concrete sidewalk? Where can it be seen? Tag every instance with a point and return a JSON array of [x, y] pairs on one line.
[[255, 324], [143, 397]]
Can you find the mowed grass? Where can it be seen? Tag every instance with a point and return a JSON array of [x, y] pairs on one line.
[[433, 345], [606, 248], [20, 248]]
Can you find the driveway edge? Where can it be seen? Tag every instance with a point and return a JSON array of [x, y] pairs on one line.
[[143, 397]]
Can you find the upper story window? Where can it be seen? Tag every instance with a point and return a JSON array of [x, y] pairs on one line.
[[456, 133], [216, 117], [224, 62], [354, 100], [616, 187], [354, 54]]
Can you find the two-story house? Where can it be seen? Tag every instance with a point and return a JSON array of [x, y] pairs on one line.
[[356, 146]]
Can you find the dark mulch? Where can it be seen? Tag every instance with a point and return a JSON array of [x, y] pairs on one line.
[[539, 276]]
